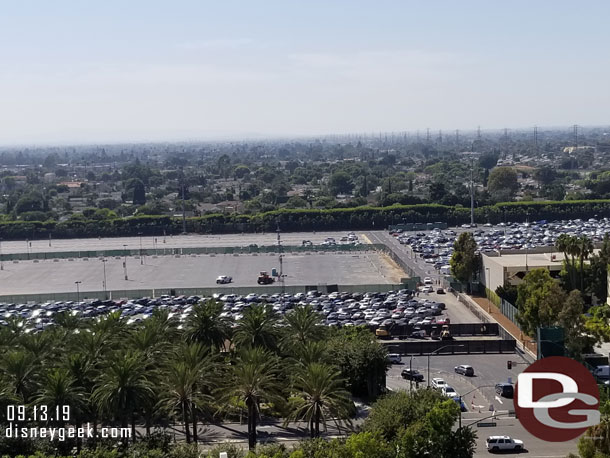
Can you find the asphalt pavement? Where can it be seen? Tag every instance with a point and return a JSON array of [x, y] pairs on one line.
[[195, 271], [480, 398]]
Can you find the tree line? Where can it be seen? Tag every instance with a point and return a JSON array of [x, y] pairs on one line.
[[303, 219]]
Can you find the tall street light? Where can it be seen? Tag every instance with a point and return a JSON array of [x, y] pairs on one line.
[[104, 260], [125, 261], [78, 291], [141, 258], [435, 352]]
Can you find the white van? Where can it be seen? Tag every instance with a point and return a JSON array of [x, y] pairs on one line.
[[394, 358], [602, 372]]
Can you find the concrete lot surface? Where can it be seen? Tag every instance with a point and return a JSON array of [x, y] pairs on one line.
[[27, 277], [161, 242]]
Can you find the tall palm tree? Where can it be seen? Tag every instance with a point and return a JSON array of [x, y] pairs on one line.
[[123, 387], [67, 321], [257, 328], [205, 325], [179, 391], [324, 395], [20, 369], [253, 379], [82, 371], [61, 389], [304, 325], [309, 352], [573, 247], [190, 378], [586, 248], [110, 326]]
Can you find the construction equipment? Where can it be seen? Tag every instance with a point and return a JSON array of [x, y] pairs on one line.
[[264, 278], [445, 333], [383, 332]]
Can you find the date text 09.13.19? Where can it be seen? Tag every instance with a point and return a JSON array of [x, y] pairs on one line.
[[37, 413]]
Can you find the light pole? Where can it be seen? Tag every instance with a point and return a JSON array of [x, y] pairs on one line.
[[411, 372], [1, 261], [78, 291], [125, 261], [436, 351], [141, 258], [104, 285]]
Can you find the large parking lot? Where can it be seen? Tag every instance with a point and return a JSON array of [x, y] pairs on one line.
[[435, 247], [50, 276], [160, 243]]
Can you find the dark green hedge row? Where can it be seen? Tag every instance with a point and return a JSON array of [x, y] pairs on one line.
[[358, 218]]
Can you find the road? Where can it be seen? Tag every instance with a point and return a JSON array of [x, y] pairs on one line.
[[480, 397], [421, 268]]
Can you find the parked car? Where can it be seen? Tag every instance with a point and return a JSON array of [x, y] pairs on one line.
[[498, 443], [602, 372], [222, 279], [440, 291], [449, 391], [438, 383], [418, 334], [505, 390], [464, 369], [412, 374], [460, 402], [394, 358]]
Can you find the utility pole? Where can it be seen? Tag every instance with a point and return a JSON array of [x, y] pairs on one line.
[[471, 191], [536, 138], [183, 208], [479, 133], [279, 247], [104, 260], [427, 135], [125, 261], [575, 134], [78, 291], [141, 256]]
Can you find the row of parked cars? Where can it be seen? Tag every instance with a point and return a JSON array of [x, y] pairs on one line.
[[436, 246], [336, 309]]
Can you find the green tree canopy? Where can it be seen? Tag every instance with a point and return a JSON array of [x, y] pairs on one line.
[[502, 183], [464, 261], [539, 300]]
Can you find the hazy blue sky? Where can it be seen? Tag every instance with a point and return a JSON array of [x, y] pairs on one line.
[[137, 70]]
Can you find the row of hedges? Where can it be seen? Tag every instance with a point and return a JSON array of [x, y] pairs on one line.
[[359, 218]]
